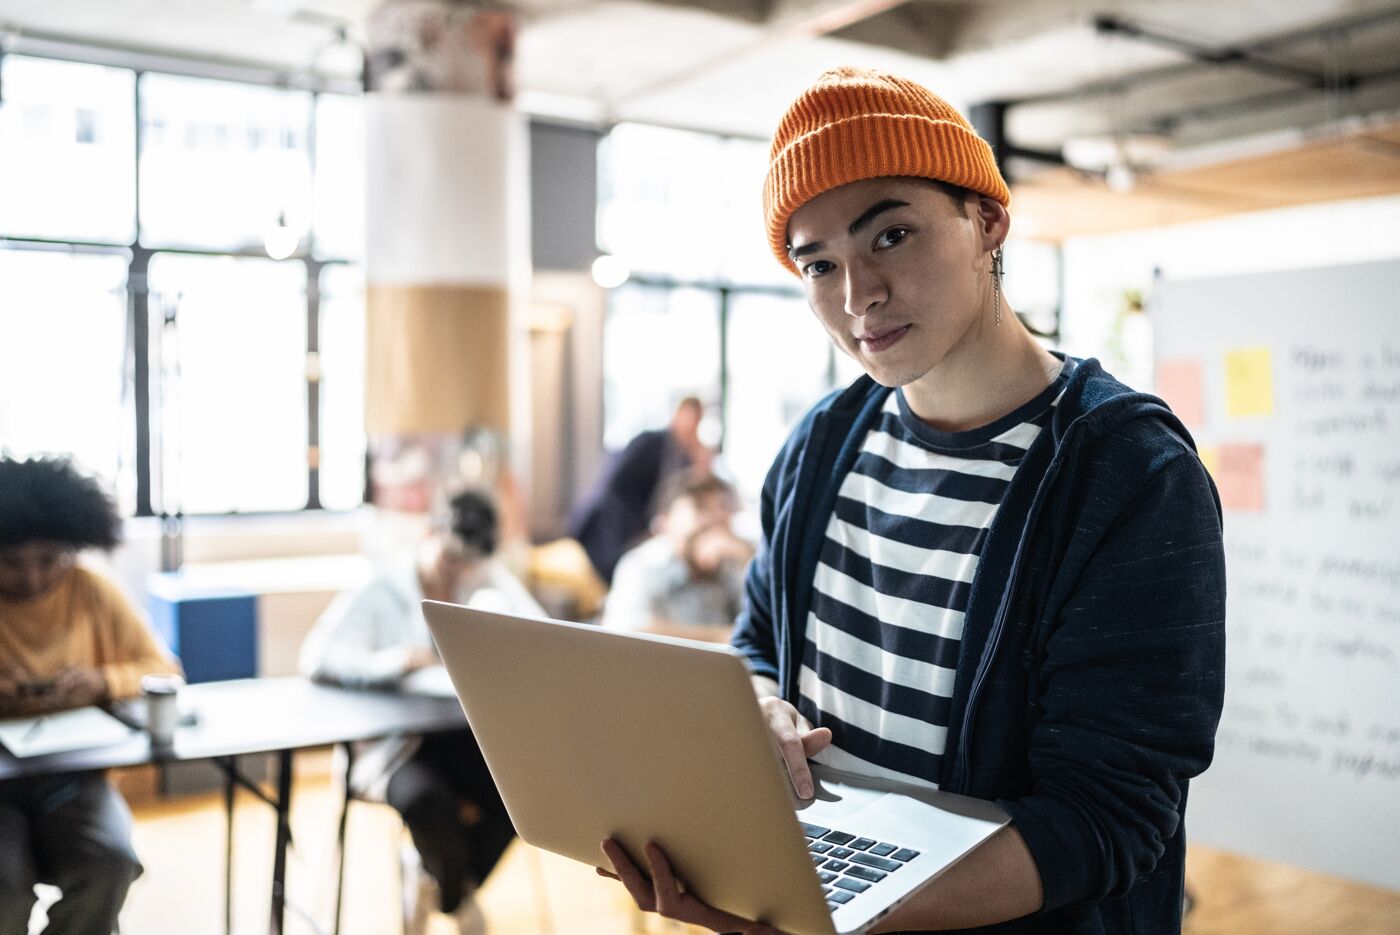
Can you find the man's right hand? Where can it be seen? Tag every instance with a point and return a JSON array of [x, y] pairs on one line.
[[797, 740]]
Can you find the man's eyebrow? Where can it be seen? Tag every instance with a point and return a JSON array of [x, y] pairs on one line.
[[878, 208], [868, 215]]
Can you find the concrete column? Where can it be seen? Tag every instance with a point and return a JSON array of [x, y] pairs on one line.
[[447, 216]]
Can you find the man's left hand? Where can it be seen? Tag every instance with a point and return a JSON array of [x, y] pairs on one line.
[[664, 894]]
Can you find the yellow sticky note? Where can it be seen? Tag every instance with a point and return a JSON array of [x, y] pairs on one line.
[[1210, 457], [1249, 382]]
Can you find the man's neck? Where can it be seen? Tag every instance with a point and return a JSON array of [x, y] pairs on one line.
[[994, 370]]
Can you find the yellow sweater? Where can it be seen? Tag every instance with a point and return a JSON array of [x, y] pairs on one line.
[[84, 621]]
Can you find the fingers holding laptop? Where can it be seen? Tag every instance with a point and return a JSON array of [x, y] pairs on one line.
[[797, 740], [663, 894]]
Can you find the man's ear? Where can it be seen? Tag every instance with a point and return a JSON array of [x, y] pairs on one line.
[[994, 222]]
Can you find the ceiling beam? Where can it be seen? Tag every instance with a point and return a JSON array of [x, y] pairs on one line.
[[931, 32], [789, 20]]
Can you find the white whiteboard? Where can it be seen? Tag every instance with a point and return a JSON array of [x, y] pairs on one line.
[[1293, 382]]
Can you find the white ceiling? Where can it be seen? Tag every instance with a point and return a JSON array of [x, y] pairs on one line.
[[733, 65]]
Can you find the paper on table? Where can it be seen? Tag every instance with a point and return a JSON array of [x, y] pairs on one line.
[[432, 682], [78, 729]]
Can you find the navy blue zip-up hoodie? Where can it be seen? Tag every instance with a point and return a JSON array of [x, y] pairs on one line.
[[1092, 665]]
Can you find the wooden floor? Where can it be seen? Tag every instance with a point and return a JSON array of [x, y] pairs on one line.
[[181, 841]]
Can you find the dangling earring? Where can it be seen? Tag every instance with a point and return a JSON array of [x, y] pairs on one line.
[[997, 272]]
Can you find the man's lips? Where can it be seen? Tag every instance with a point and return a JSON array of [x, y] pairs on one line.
[[883, 338]]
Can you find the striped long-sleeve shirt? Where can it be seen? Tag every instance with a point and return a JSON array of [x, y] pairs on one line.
[[892, 584]]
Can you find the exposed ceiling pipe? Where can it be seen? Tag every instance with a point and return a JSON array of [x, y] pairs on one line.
[[1250, 50], [1248, 55], [1243, 56], [1269, 100], [789, 21]]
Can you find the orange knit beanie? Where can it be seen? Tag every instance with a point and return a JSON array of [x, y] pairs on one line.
[[856, 124]]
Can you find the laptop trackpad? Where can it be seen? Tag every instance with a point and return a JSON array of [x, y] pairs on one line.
[[923, 819], [835, 802]]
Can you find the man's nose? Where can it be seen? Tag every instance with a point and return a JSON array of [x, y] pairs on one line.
[[864, 290]]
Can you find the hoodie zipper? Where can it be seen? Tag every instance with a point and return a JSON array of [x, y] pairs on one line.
[[963, 758], [961, 764]]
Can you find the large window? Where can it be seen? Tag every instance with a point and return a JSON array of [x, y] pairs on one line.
[[659, 345], [708, 312], [222, 163], [342, 368], [685, 206], [338, 217], [232, 383], [144, 328], [779, 363], [67, 151], [63, 360]]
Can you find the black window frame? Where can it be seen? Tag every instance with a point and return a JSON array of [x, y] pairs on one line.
[[138, 314]]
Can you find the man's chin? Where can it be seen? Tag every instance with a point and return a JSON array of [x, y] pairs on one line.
[[888, 377]]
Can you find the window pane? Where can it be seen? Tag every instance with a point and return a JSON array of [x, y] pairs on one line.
[[779, 365], [746, 257], [340, 176], [685, 205], [67, 151], [1032, 281], [659, 345], [222, 163], [59, 395], [342, 387], [232, 392]]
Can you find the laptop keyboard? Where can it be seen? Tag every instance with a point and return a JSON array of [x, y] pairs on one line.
[[848, 865]]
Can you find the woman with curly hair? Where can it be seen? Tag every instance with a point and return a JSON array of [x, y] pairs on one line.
[[68, 638]]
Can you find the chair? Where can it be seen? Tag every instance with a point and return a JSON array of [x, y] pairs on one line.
[[342, 763]]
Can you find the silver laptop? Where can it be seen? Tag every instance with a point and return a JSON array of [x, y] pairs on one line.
[[592, 733]]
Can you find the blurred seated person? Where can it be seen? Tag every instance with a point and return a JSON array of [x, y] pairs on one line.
[[68, 638], [688, 579], [617, 512], [377, 638]]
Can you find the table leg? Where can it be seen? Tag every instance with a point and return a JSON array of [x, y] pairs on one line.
[[340, 834], [228, 847], [284, 833]]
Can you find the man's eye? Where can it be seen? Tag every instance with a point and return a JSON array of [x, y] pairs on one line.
[[891, 237], [816, 268]]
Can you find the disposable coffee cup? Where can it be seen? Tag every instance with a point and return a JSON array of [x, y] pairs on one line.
[[162, 693]]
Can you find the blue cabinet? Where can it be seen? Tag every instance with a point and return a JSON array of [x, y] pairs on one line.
[[213, 631]]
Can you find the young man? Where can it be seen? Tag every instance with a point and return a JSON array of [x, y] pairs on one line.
[[377, 638], [985, 567], [68, 638], [688, 579]]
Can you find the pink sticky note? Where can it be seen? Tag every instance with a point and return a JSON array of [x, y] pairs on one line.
[[1239, 475], [1179, 383]]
